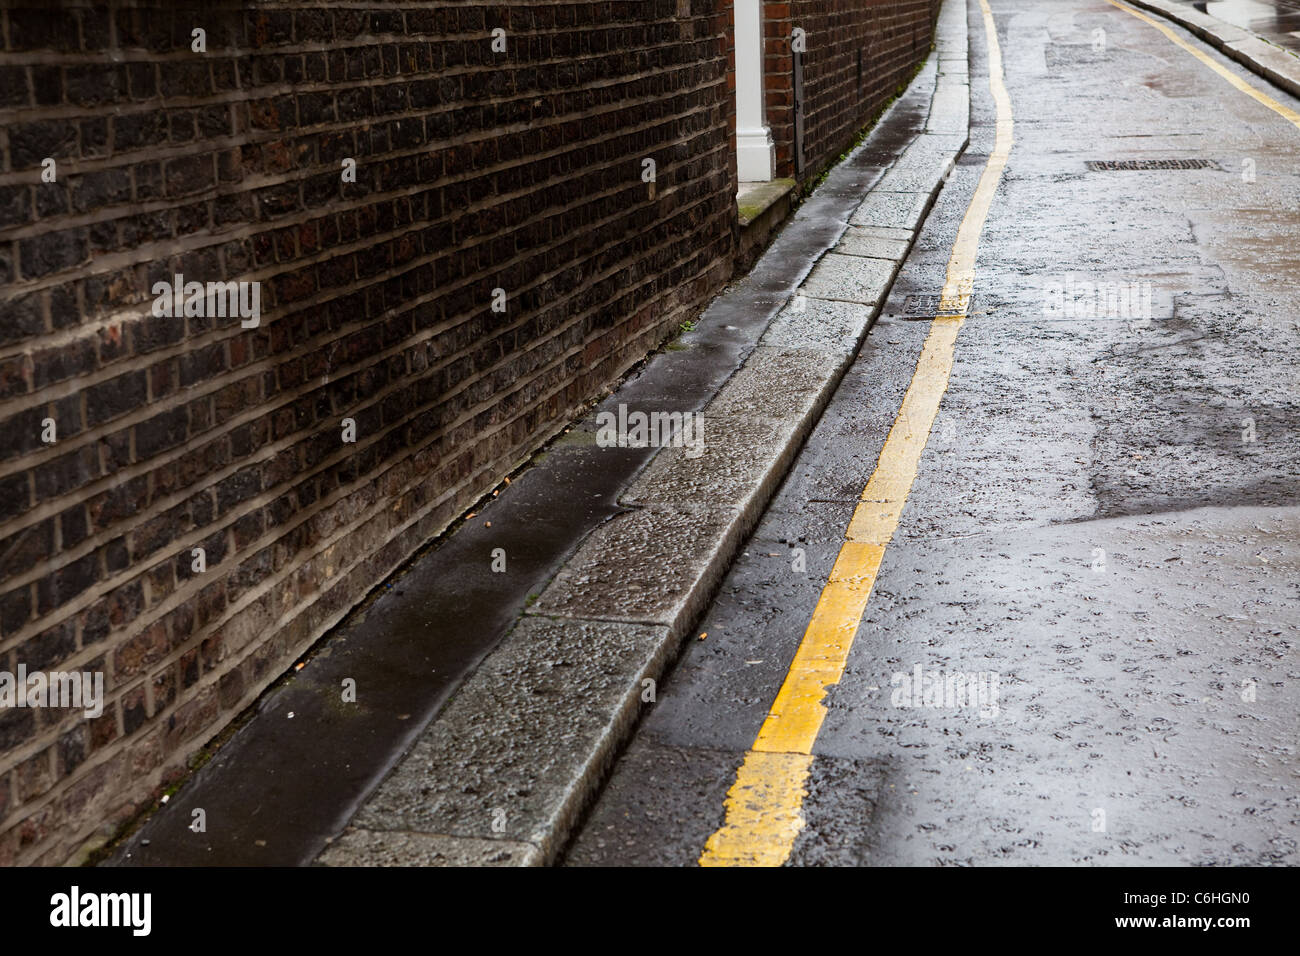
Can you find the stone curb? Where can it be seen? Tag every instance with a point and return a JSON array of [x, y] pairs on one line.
[[503, 774], [1257, 55]]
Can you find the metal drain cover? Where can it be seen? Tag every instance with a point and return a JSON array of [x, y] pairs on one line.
[[1109, 165], [927, 305]]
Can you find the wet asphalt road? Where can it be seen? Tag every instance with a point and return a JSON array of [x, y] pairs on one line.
[[1104, 518]]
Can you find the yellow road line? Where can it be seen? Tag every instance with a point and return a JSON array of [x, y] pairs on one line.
[[1290, 115], [764, 805]]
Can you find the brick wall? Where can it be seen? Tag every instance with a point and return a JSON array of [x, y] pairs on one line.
[[475, 170], [857, 53]]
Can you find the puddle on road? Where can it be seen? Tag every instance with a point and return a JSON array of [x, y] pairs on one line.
[[1254, 16], [1179, 86], [1261, 245]]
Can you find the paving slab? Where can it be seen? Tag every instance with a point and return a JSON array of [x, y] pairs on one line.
[[526, 740], [646, 564], [733, 468], [820, 324], [893, 209], [952, 105], [358, 847], [769, 384], [857, 241], [851, 278], [515, 753]]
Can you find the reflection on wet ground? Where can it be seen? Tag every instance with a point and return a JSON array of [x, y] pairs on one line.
[[1277, 21]]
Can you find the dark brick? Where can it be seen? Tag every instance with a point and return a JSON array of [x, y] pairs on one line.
[[64, 312], [16, 728], [15, 495], [161, 432], [15, 376], [105, 188], [315, 108], [192, 218], [71, 751], [213, 121], [146, 28], [103, 729], [125, 604], [67, 412], [181, 127], [267, 28], [15, 609], [47, 85], [24, 550], [231, 688], [13, 86], [142, 79], [134, 710], [49, 648], [203, 364], [141, 652], [23, 318], [189, 174], [34, 776], [164, 686], [119, 503], [96, 30], [189, 77], [15, 204], [103, 237], [116, 397], [156, 332], [37, 29], [116, 558], [239, 487], [50, 202], [73, 526], [42, 255], [137, 130], [94, 624], [22, 432], [61, 363], [30, 143], [94, 137], [148, 181], [94, 85], [62, 585]]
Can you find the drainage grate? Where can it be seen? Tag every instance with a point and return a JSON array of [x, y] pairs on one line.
[[1108, 165], [927, 305]]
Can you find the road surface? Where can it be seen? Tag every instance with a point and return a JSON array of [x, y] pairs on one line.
[[1075, 643]]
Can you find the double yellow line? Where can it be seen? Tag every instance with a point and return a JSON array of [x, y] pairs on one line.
[[764, 805]]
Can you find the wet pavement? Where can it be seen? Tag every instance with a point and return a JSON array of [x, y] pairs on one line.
[[1277, 21], [297, 769], [1104, 521]]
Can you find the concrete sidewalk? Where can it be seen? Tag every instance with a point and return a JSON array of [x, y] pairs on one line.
[[504, 773], [496, 764]]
